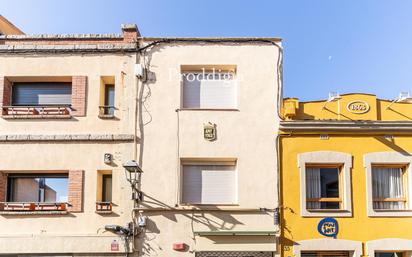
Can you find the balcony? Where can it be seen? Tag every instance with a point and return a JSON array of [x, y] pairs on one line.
[[13, 208], [106, 112], [37, 112], [104, 207]]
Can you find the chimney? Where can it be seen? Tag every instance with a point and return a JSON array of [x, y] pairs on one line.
[[130, 33]]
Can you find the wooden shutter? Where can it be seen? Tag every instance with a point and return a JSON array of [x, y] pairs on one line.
[[5, 91], [209, 93], [76, 184], [35, 94], [79, 90], [209, 184], [3, 186]]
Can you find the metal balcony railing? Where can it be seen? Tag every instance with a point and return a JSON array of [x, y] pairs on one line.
[[104, 206], [33, 206], [45, 111], [106, 111]]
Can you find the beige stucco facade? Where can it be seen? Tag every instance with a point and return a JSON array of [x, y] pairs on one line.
[[245, 134], [158, 133], [78, 143]]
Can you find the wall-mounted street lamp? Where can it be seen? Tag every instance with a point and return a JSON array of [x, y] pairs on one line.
[[133, 173]]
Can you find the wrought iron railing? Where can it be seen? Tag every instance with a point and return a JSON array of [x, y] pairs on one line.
[[104, 206], [106, 111], [33, 206], [41, 111]]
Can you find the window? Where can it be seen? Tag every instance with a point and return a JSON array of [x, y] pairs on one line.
[[104, 192], [47, 188], [209, 90], [41, 93], [322, 187], [107, 97], [389, 254], [109, 100], [59, 97], [325, 184], [107, 188], [388, 188], [388, 180], [209, 183]]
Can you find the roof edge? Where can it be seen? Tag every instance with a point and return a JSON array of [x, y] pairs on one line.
[[274, 39]]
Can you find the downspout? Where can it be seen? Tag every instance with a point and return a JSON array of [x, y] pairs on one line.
[[135, 144], [278, 213]]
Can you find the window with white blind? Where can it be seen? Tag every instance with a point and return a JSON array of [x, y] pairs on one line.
[[209, 90], [209, 183], [388, 188]]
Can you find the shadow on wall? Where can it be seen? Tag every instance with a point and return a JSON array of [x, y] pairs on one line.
[[213, 221], [390, 142]]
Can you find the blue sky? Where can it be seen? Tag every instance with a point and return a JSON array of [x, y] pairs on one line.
[[330, 45]]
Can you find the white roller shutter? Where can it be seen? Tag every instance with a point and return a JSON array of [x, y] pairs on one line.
[[209, 92], [209, 184]]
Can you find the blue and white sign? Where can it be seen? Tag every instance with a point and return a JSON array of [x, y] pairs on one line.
[[328, 227]]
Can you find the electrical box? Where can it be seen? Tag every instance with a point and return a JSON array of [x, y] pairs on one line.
[[139, 70]]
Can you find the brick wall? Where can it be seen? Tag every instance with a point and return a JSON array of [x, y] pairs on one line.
[[3, 186], [129, 36], [130, 33], [5, 92], [79, 88], [76, 184]]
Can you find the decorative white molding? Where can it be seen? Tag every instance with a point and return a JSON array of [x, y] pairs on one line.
[[328, 244], [326, 157], [388, 244], [386, 158]]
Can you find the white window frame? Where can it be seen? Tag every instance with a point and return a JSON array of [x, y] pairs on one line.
[[326, 157], [389, 245], [387, 158], [328, 244], [225, 162]]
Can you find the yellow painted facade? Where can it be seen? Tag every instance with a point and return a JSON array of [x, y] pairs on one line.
[[371, 132]]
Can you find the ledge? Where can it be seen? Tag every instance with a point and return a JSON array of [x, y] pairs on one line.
[[118, 47], [339, 125], [34, 212], [107, 116], [69, 137], [29, 117], [235, 233], [63, 36], [103, 212]]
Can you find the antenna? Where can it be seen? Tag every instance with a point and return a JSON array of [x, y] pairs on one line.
[[333, 96], [404, 97]]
